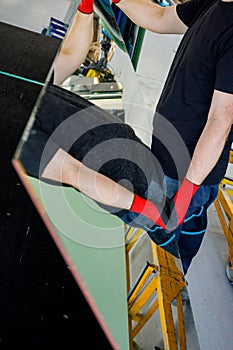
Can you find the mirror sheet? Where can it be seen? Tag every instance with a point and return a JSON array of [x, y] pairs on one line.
[[90, 239]]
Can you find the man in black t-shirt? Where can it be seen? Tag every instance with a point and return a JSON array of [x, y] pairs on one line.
[[192, 129]]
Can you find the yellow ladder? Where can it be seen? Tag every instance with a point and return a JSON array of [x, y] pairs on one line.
[[224, 208], [162, 278]]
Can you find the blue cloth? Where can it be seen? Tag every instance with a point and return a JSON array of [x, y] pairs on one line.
[[190, 234]]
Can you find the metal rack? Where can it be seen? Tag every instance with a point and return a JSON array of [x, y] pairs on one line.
[[158, 285]]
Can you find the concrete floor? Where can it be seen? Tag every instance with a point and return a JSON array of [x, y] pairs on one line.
[[210, 292]]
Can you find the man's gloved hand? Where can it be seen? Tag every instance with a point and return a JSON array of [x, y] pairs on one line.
[[148, 209], [86, 6], [154, 222], [180, 203]]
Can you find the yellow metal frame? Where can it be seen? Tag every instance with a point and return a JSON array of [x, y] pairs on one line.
[[224, 208], [163, 278]]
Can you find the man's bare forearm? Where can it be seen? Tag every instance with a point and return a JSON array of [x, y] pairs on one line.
[[64, 168], [153, 17]]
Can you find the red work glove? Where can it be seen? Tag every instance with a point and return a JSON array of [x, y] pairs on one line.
[[180, 203], [148, 209], [116, 1], [86, 6]]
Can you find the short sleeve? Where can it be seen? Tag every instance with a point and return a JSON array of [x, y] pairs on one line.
[[189, 10], [224, 69]]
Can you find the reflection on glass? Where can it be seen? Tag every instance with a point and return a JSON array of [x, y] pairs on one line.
[[32, 15], [95, 77], [77, 142]]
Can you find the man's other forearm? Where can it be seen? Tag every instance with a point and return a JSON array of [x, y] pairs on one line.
[[213, 137], [75, 47], [153, 17]]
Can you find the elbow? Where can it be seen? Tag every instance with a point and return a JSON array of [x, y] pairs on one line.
[[229, 113], [227, 118]]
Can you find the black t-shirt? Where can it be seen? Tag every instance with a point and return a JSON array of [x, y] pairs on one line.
[[203, 62]]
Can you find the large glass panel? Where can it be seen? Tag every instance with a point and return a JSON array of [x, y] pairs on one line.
[[92, 241]]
